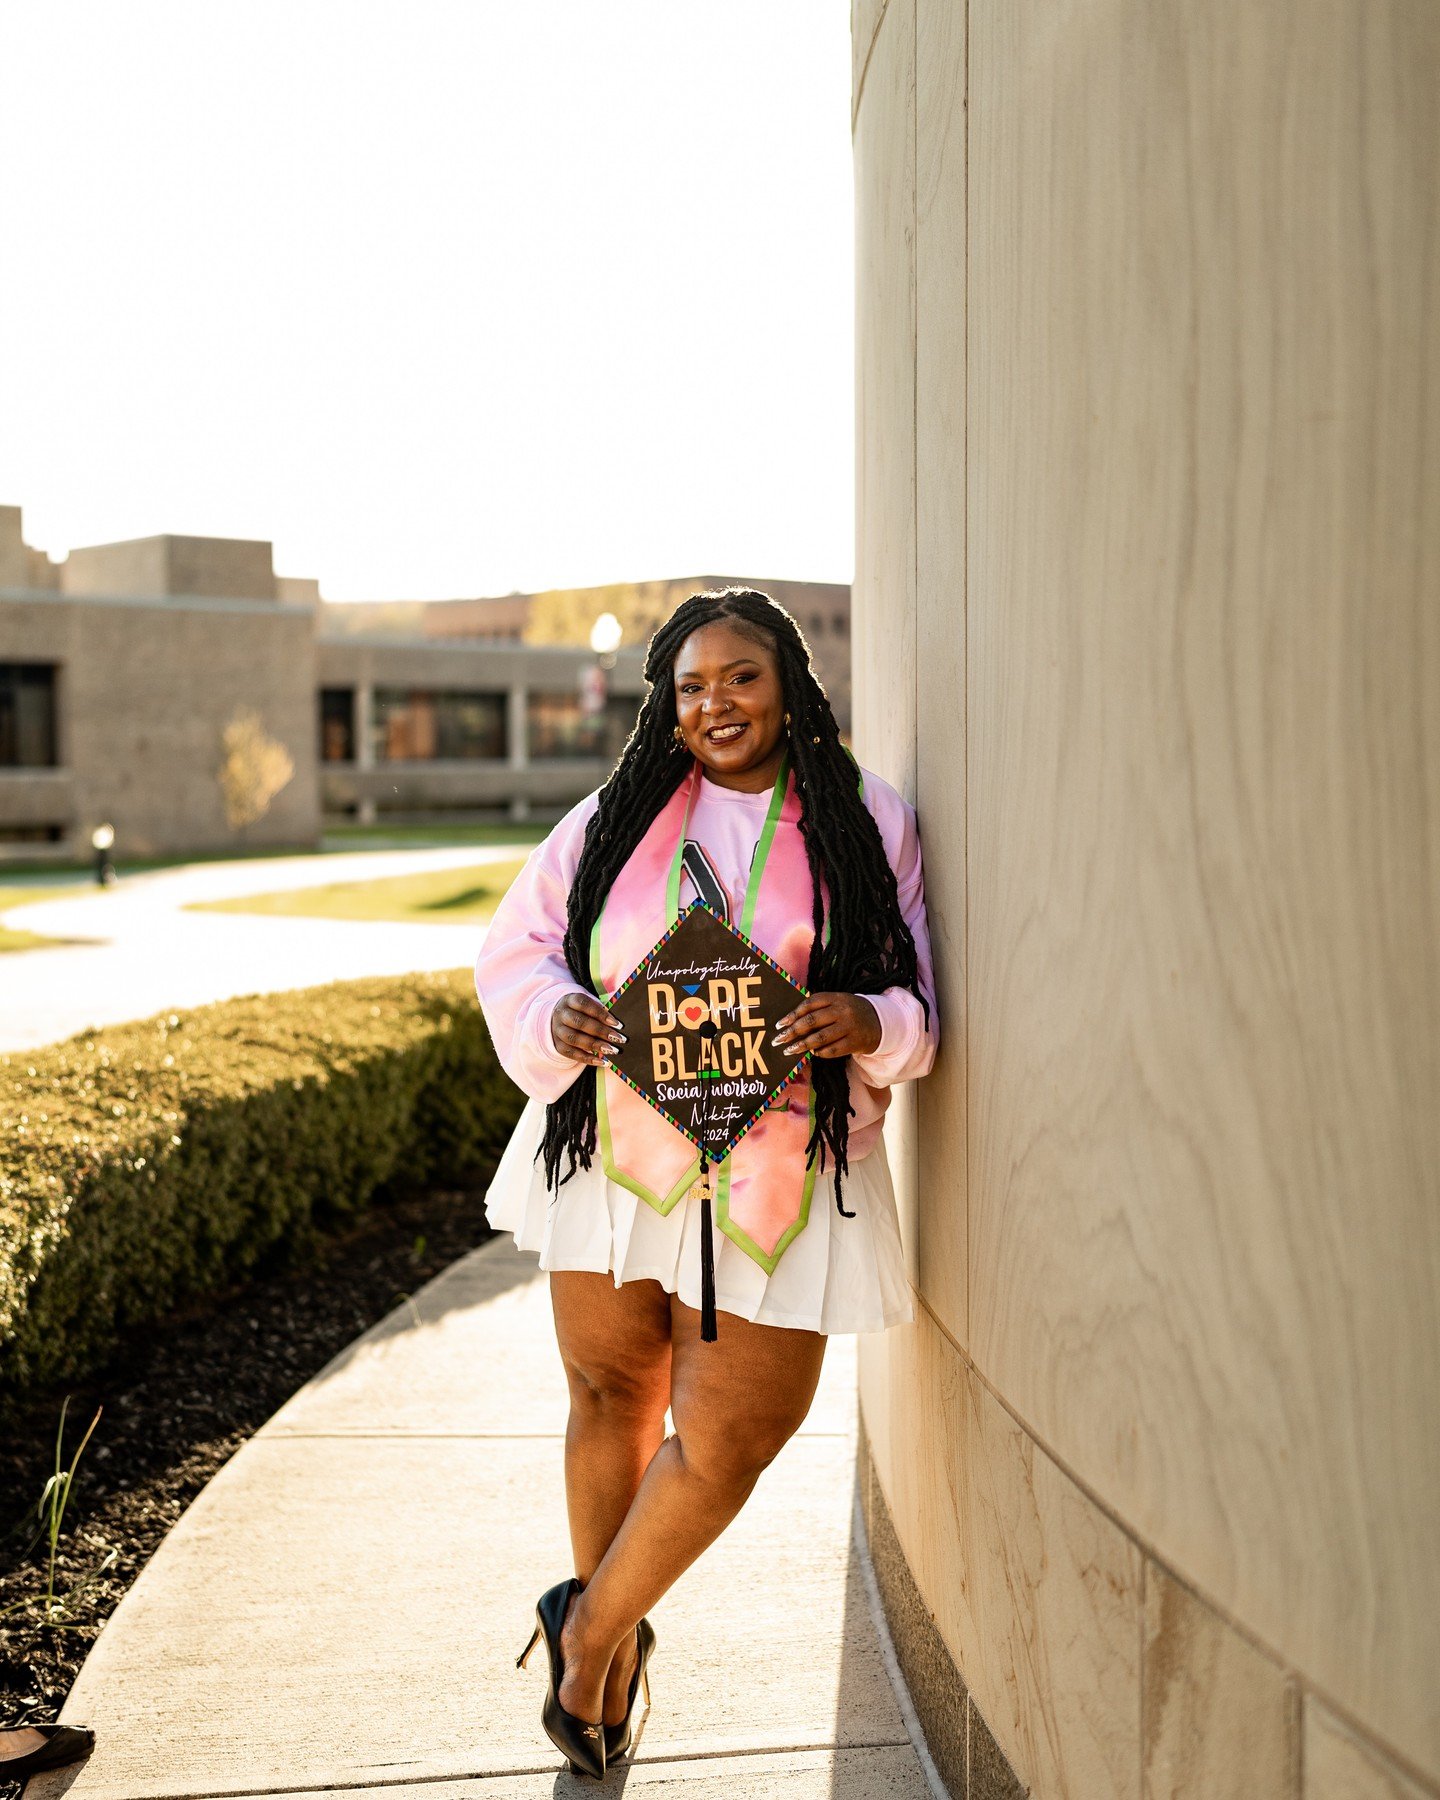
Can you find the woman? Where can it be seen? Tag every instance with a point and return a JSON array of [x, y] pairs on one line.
[[736, 782]]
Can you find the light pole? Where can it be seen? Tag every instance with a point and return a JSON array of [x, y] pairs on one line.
[[605, 639], [606, 635]]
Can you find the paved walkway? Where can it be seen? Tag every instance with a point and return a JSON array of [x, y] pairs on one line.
[[134, 950], [341, 1608]]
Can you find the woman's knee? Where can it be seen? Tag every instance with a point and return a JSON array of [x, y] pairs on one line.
[[730, 1453], [601, 1388], [614, 1344]]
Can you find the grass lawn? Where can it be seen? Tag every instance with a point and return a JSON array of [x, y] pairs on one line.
[[11, 939], [424, 837], [436, 896], [17, 894]]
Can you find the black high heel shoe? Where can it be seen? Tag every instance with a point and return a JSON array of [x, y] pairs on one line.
[[617, 1737], [64, 1744], [582, 1743]]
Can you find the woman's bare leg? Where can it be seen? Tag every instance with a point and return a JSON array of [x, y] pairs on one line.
[[615, 1345], [735, 1403]]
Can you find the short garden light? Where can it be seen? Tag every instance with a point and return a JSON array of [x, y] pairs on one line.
[[101, 839]]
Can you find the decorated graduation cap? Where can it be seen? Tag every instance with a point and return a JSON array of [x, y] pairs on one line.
[[700, 1103], [699, 1011]]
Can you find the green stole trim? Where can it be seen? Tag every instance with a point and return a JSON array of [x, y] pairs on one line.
[[722, 1192]]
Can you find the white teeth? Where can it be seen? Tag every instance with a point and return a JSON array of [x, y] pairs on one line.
[[720, 734]]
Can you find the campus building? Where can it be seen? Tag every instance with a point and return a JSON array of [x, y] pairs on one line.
[[122, 667]]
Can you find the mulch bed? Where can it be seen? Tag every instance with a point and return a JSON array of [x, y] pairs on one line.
[[177, 1404]]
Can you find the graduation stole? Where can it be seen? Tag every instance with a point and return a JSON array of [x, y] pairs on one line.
[[764, 1185]]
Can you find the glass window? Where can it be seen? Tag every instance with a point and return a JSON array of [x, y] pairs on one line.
[[27, 715], [337, 725], [438, 725], [560, 725]]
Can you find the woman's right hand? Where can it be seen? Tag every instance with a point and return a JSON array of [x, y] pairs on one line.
[[582, 1029]]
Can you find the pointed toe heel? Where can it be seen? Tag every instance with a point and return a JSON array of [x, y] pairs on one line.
[[581, 1743], [617, 1737]]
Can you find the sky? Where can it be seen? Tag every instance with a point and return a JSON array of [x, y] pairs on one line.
[[443, 297]]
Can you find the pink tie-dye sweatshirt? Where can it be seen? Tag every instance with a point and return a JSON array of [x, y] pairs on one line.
[[521, 971]]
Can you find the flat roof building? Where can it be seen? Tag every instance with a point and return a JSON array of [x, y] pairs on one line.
[[123, 668]]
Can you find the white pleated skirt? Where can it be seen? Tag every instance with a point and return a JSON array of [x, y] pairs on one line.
[[837, 1275]]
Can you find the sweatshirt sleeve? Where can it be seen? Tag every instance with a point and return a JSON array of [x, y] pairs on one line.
[[521, 970], [907, 1041]]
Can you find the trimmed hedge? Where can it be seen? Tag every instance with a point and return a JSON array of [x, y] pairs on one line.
[[150, 1162]]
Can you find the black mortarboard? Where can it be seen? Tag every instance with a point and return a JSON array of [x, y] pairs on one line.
[[698, 1013]]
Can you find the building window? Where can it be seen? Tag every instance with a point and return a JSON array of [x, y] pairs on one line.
[[557, 725], [27, 716], [337, 725], [430, 725]]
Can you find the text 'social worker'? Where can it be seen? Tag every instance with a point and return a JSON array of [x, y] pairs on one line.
[[678, 1050]]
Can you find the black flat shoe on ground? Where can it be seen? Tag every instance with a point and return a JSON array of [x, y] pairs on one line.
[[582, 1743], [65, 1744], [617, 1737]]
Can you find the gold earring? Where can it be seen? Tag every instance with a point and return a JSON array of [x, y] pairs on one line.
[[787, 721], [678, 735]]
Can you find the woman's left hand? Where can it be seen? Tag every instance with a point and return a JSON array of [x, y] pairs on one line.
[[830, 1025]]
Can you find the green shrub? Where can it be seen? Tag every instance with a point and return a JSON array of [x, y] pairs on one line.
[[149, 1162]]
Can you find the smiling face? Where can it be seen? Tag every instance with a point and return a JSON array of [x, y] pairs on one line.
[[730, 705]]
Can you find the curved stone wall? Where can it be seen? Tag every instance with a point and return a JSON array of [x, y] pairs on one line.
[[1147, 622]]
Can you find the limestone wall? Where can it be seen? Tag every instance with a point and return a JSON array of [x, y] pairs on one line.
[[1146, 623]]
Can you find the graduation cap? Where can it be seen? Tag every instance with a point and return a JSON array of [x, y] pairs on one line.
[[698, 1012]]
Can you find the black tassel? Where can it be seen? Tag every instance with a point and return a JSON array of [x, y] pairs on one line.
[[709, 1331]]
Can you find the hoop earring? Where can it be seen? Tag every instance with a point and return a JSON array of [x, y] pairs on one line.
[[678, 735]]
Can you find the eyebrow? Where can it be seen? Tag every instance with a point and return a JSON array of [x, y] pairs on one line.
[[689, 674]]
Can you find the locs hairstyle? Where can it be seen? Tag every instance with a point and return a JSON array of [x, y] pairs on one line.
[[869, 947]]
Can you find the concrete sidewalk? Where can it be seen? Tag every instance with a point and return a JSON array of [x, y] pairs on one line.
[[341, 1609], [134, 949]]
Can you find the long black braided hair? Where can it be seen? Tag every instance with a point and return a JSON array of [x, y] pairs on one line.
[[869, 948]]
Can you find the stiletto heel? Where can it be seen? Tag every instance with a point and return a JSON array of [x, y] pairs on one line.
[[617, 1737], [524, 1656], [578, 1741]]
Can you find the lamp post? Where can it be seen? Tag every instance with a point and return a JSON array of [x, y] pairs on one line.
[[605, 639], [101, 840], [606, 636]]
